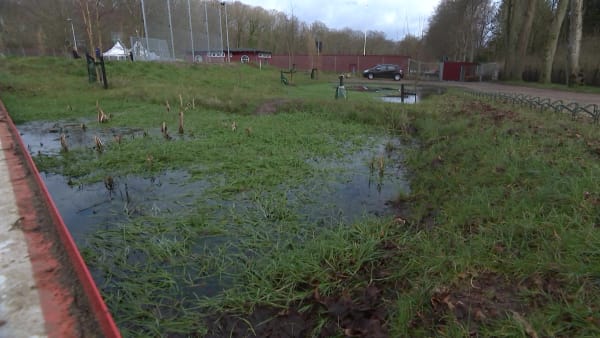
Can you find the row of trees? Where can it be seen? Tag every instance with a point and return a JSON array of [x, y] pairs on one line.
[[531, 37], [41, 27]]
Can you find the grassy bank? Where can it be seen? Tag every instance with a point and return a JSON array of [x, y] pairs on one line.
[[497, 236]]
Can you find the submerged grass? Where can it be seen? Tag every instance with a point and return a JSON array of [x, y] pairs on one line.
[[500, 240]]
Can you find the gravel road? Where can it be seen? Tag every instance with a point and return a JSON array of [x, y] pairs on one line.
[[553, 94]]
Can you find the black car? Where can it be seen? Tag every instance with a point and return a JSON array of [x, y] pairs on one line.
[[385, 70]]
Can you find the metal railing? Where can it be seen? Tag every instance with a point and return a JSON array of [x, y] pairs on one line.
[[543, 104]]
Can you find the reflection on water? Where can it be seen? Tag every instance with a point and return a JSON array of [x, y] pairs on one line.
[[412, 94], [44, 137], [341, 190], [359, 187], [399, 99], [92, 207]]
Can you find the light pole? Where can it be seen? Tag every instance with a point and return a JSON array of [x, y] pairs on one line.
[[221, 28], [207, 34], [365, 45], [73, 30], [171, 28], [226, 31], [145, 30], [191, 32]]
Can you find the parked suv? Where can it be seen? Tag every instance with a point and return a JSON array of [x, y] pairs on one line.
[[385, 70]]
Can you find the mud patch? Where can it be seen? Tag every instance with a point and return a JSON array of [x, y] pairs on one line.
[[271, 107], [358, 313], [357, 310], [488, 111], [475, 300]]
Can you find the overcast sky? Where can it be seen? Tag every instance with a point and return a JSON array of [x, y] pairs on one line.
[[395, 18]]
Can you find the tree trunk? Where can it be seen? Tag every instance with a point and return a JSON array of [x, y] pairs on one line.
[[523, 40], [511, 25], [575, 40], [87, 22], [557, 21]]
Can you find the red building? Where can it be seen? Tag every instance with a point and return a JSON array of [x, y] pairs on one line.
[[354, 64], [337, 63], [459, 71], [238, 55]]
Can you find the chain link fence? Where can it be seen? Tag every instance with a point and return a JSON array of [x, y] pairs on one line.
[[419, 70], [182, 30]]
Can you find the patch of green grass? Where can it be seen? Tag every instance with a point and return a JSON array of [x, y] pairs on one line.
[[501, 238]]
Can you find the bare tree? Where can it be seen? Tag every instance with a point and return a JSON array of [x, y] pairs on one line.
[[458, 29], [518, 17], [524, 35]]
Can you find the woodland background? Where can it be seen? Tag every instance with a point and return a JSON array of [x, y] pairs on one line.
[[534, 40]]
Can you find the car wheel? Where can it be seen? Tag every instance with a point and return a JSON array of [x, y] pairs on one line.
[[397, 77], [370, 76]]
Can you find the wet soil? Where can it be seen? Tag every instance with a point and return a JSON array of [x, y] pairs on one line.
[[359, 312], [274, 106]]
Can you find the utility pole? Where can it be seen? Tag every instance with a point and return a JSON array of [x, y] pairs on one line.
[[145, 26], [221, 28], [226, 30], [365, 45], [73, 30], [191, 32], [207, 34], [171, 28]]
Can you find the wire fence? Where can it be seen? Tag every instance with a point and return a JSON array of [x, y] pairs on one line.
[[535, 102], [419, 70], [189, 30]]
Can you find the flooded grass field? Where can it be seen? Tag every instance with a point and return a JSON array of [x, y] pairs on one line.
[[280, 211], [359, 184], [190, 233]]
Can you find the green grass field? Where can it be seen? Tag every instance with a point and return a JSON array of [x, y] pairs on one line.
[[498, 235]]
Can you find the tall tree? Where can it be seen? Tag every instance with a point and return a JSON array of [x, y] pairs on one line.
[[550, 50], [459, 28], [524, 35], [575, 40]]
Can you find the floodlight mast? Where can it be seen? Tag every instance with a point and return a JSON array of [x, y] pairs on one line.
[[221, 28], [145, 26], [191, 32], [73, 30], [224, 4], [171, 29]]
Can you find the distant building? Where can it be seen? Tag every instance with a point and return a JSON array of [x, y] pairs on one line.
[[460, 71], [353, 64], [237, 55]]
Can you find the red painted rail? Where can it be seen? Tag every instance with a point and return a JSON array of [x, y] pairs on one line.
[[98, 307]]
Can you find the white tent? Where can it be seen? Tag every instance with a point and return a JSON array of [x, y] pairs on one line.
[[117, 52]]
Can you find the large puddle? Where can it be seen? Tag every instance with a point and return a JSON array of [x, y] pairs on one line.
[[359, 184], [392, 94], [44, 137], [341, 191], [92, 207]]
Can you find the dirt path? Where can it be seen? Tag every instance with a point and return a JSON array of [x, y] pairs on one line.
[[491, 87], [553, 94]]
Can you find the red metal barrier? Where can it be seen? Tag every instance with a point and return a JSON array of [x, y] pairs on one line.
[[95, 301]]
